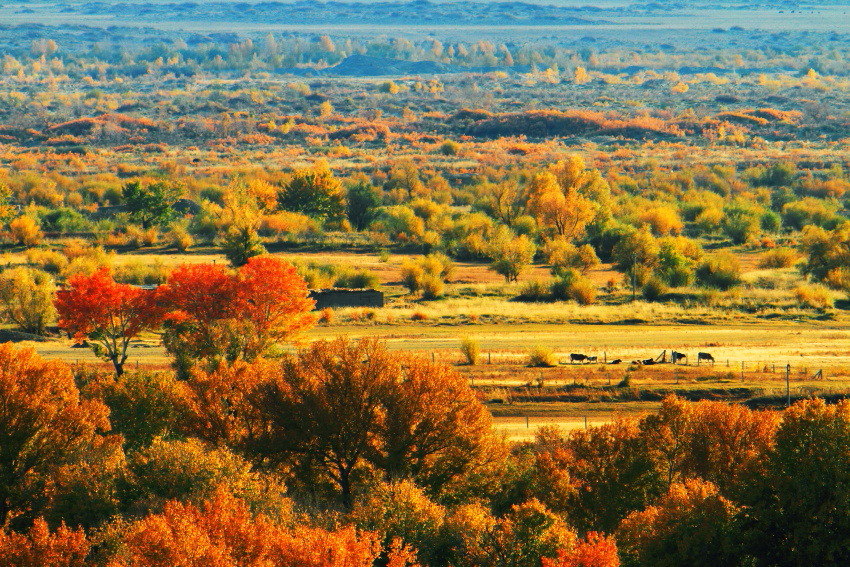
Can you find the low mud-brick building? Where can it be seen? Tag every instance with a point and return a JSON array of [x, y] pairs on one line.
[[338, 297]]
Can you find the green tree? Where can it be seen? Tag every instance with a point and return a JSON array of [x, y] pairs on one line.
[[314, 191], [363, 202], [511, 255], [151, 205]]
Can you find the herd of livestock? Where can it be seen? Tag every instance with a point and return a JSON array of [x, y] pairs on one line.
[[675, 358]]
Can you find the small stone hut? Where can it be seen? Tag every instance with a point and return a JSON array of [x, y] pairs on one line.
[[339, 297]]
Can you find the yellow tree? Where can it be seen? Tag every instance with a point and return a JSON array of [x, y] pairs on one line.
[[560, 197]]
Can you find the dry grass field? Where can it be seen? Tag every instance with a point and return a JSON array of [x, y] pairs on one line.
[[523, 398]]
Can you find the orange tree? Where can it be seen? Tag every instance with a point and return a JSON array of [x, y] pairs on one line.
[[108, 314], [339, 406], [222, 532], [217, 315], [62, 548], [44, 425]]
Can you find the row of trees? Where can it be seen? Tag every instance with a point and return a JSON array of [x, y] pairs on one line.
[[208, 313]]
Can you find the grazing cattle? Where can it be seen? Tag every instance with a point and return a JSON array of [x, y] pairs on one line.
[[705, 356], [648, 361], [591, 359], [677, 356], [574, 357], [616, 361]]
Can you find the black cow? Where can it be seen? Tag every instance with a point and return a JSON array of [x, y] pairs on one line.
[[704, 356], [616, 361], [574, 357], [648, 361], [591, 359], [677, 356]]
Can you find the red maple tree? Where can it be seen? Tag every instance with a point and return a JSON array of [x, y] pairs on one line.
[[107, 314]]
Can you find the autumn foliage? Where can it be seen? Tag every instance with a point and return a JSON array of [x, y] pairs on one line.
[[215, 314], [44, 425], [98, 309], [39, 547], [222, 532]]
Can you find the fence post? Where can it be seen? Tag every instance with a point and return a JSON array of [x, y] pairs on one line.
[[788, 385], [489, 357]]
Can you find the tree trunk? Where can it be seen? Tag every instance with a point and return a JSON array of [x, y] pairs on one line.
[[345, 488]]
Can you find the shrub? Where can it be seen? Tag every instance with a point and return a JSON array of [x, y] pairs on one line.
[[654, 289], [432, 287], [813, 296], [427, 274], [402, 511], [541, 357], [25, 231], [26, 297], [179, 237], [535, 290], [450, 148], [564, 255], [50, 261], [471, 350], [141, 273], [661, 220], [778, 258], [721, 270], [326, 316], [572, 285], [357, 279]]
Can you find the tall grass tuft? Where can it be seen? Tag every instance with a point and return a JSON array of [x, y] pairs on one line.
[[541, 357], [471, 350]]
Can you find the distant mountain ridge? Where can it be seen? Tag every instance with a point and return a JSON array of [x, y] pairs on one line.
[[303, 12]]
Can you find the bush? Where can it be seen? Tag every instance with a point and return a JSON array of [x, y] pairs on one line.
[[357, 279], [432, 287], [813, 296], [26, 297], [427, 274], [471, 350], [541, 357], [564, 255], [778, 258], [721, 270], [50, 261], [25, 231], [179, 237], [572, 285], [450, 148], [654, 289], [535, 290], [141, 273]]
